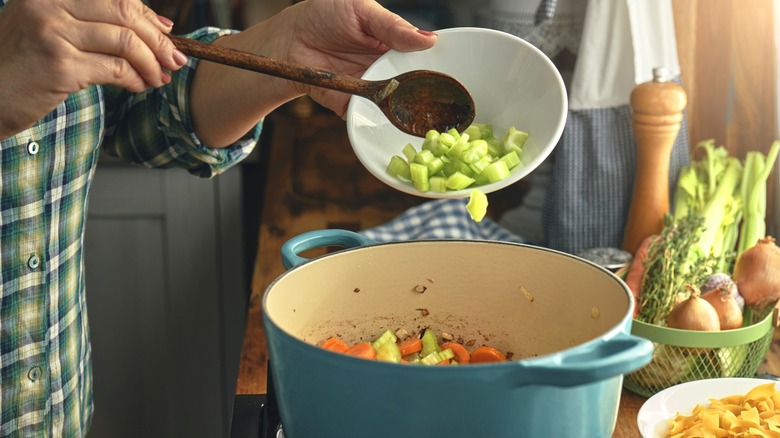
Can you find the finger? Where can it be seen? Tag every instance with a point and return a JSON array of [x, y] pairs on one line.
[[120, 42], [395, 32], [113, 70], [135, 16]]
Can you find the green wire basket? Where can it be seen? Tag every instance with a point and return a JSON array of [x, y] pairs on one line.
[[685, 355]]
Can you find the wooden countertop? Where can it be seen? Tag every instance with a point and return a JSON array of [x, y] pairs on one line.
[[327, 188]]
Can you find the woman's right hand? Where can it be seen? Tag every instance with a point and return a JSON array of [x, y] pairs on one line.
[[50, 49]]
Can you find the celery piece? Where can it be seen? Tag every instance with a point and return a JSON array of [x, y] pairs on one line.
[[447, 139], [388, 352], [459, 181], [476, 150], [457, 166], [511, 159], [473, 132], [431, 140], [419, 176], [399, 168], [513, 137], [435, 357], [409, 152], [486, 130], [454, 132], [435, 165], [424, 157], [480, 165], [387, 337], [494, 146], [460, 146], [496, 171], [477, 205], [438, 184], [430, 343]]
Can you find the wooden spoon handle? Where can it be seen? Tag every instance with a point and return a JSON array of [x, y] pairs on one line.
[[657, 114], [279, 68]]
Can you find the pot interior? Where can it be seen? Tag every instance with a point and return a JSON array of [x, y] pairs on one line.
[[524, 300]]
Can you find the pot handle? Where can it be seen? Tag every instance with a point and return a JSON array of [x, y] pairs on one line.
[[315, 239], [621, 354]]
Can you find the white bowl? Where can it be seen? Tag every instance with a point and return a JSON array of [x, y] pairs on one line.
[[512, 83], [654, 415]]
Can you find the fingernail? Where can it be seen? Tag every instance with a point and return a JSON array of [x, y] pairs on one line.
[[179, 58], [166, 78], [426, 32], [165, 21]]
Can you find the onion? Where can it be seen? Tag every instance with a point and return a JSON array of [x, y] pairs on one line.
[[722, 300], [721, 279], [694, 313], [757, 273]]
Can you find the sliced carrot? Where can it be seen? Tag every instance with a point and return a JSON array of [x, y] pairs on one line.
[[486, 354], [462, 355], [636, 270], [362, 349], [335, 344], [410, 345], [444, 362]]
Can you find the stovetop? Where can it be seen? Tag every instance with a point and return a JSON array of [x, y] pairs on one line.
[[255, 417]]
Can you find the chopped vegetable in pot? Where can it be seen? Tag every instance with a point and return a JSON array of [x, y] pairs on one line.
[[425, 349]]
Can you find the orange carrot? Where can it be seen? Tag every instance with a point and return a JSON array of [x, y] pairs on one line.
[[444, 362], [410, 345], [462, 355], [363, 350], [335, 344], [636, 270], [486, 354]]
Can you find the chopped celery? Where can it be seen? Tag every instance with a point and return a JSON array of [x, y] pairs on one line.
[[409, 152], [476, 151], [419, 176], [473, 131], [430, 343], [460, 146], [398, 167], [511, 159], [388, 352], [458, 181], [513, 137], [460, 160], [496, 171], [436, 357], [477, 205], [387, 337], [438, 184]]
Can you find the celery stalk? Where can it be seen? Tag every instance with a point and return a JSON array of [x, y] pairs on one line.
[[754, 196]]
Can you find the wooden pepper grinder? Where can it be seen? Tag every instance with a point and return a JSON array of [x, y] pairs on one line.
[[657, 112]]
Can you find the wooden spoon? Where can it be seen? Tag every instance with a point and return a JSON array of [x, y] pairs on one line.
[[415, 102]]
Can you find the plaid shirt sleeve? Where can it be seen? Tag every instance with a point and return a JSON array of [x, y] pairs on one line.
[[168, 140]]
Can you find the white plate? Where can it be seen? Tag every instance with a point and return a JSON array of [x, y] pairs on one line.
[[511, 81], [655, 413]]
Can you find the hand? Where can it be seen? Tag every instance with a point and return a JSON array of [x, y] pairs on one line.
[[50, 49], [343, 36]]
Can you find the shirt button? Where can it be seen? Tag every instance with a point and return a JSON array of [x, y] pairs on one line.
[[33, 262], [34, 373], [33, 147]]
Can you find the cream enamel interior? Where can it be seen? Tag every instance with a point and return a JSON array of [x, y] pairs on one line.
[[473, 290]]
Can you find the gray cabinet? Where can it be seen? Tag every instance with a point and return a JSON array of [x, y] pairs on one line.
[[166, 295]]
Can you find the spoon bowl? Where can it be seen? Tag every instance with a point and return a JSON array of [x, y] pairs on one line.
[[414, 102], [511, 82]]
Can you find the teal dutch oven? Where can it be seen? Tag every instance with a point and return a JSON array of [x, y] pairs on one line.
[[565, 322]]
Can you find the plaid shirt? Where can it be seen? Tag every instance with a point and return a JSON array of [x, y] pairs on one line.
[[45, 176]]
